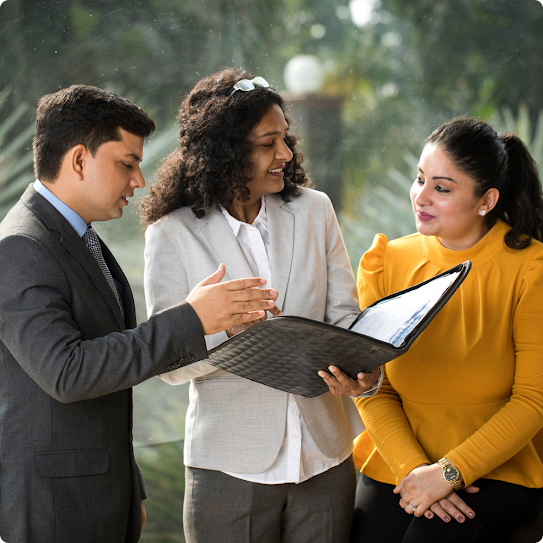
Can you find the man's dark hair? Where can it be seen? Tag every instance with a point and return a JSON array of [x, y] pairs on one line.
[[82, 115]]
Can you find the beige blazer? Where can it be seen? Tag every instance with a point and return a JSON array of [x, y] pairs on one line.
[[234, 424]]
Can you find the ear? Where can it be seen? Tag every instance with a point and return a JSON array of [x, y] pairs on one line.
[[75, 159], [489, 201]]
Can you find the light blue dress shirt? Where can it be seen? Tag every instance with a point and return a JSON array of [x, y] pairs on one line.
[[75, 220]]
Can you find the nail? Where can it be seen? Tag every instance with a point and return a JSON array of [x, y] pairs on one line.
[[470, 515], [447, 519], [461, 519], [332, 369]]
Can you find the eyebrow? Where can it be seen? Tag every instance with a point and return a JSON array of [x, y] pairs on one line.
[[439, 176], [268, 134], [133, 155]]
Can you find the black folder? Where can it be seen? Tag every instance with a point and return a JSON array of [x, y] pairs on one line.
[[287, 352]]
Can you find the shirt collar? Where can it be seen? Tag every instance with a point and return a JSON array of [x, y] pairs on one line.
[[75, 220], [261, 218]]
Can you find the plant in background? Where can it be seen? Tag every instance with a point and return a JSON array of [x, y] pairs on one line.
[[15, 154], [379, 209], [505, 121]]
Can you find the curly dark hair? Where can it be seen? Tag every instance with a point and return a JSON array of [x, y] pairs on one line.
[[211, 166]]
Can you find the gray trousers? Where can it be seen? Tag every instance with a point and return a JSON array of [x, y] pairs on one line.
[[222, 508]]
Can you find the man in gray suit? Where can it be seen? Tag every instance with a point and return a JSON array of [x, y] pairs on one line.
[[69, 346]]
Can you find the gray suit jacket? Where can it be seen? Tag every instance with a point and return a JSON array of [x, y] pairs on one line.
[[67, 362], [234, 424]]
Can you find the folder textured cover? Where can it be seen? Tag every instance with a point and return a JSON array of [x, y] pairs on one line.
[[287, 352]]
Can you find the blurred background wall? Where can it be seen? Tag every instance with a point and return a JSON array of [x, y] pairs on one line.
[[367, 81]]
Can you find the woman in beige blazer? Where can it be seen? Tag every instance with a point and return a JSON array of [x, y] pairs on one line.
[[262, 465]]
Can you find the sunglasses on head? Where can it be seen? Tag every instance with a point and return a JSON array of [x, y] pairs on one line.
[[246, 85]]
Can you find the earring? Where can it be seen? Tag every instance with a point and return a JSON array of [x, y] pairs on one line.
[[482, 212]]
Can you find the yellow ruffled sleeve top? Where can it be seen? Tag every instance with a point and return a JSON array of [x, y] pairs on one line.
[[471, 386]]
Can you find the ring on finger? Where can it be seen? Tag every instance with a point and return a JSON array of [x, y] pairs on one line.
[[414, 507], [404, 500]]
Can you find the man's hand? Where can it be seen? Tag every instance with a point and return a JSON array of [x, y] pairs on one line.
[[232, 331], [143, 515], [341, 384], [222, 305]]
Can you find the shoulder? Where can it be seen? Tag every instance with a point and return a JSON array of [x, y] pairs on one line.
[[396, 250], [181, 219], [306, 198]]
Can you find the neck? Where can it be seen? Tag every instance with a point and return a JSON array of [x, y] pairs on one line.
[[244, 211], [465, 243]]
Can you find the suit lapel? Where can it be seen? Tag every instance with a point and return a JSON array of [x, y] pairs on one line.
[[281, 228], [69, 239], [218, 236]]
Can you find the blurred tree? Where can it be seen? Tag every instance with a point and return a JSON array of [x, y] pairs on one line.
[[473, 55], [15, 153]]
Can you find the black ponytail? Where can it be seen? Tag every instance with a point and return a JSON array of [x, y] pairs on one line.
[[522, 206], [502, 162]]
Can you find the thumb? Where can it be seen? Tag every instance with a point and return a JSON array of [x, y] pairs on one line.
[[471, 489], [215, 277]]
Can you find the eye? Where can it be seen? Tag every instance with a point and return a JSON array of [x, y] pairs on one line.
[[439, 188], [419, 180]]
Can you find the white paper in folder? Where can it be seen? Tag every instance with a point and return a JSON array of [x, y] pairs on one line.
[[392, 320]]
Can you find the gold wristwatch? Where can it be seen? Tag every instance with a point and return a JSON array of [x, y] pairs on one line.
[[450, 473]]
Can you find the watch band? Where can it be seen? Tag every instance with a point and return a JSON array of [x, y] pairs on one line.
[[450, 473]]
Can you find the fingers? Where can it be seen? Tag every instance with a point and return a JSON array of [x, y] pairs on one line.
[[215, 277], [410, 508], [333, 385], [452, 507], [220, 306], [275, 311], [439, 511], [369, 377], [246, 283], [458, 507], [339, 383]]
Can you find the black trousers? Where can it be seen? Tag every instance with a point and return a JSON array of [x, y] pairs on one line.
[[499, 508]]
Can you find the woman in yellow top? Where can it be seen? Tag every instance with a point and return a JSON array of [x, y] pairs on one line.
[[465, 404]]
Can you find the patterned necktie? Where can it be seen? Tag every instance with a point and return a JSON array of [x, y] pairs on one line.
[[90, 237]]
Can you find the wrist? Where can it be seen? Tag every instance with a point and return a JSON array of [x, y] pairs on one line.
[[451, 473]]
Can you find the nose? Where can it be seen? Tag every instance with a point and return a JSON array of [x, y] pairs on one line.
[[283, 152], [420, 194], [138, 181]]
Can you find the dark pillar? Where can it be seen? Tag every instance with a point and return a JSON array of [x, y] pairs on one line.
[[317, 119]]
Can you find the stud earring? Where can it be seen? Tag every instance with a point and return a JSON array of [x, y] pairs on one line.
[[482, 212]]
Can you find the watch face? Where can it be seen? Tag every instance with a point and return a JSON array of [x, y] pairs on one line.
[[451, 474]]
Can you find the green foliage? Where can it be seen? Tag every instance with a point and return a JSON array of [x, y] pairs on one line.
[[15, 153], [164, 474], [505, 121]]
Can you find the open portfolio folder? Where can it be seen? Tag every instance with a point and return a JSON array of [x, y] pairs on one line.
[[287, 352]]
